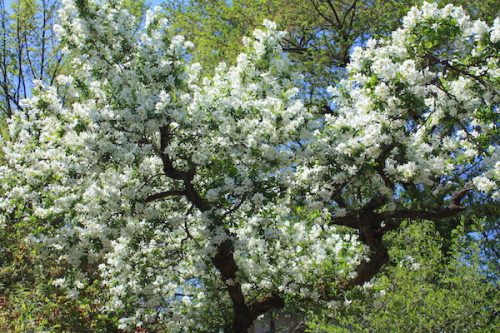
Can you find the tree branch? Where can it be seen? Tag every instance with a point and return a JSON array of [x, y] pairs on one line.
[[453, 209], [266, 304], [377, 258], [168, 165], [368, 222], [161, 195], [224, 258]]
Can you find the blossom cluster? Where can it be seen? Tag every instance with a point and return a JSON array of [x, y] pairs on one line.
[[415, 115]]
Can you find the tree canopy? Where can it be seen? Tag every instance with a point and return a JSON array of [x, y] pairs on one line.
[[199, 199]]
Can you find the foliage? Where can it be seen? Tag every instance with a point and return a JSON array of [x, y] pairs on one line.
[[30, 302], [423, 290]]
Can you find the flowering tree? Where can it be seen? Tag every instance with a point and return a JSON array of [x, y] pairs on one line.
[[201, 203]]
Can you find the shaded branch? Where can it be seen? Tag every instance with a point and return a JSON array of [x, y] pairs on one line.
[[377, 258], [223, 259], [168, 165], [266, 304], [234, 208], [423, 214], [453, 209], [161, 195], [225, 263], [368, 223]]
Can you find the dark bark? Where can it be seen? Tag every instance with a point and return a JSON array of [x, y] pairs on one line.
[[378, 257], [5, 84], [161, 195]]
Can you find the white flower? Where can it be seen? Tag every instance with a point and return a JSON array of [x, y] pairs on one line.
[[484, 184], [61, 282], [212, 195], [495, 31], [479, 28]]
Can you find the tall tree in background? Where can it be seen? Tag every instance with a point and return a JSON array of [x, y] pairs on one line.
[[28, 50]]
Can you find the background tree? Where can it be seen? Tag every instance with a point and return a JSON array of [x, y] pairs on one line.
[[424, 289], [28, 49]]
